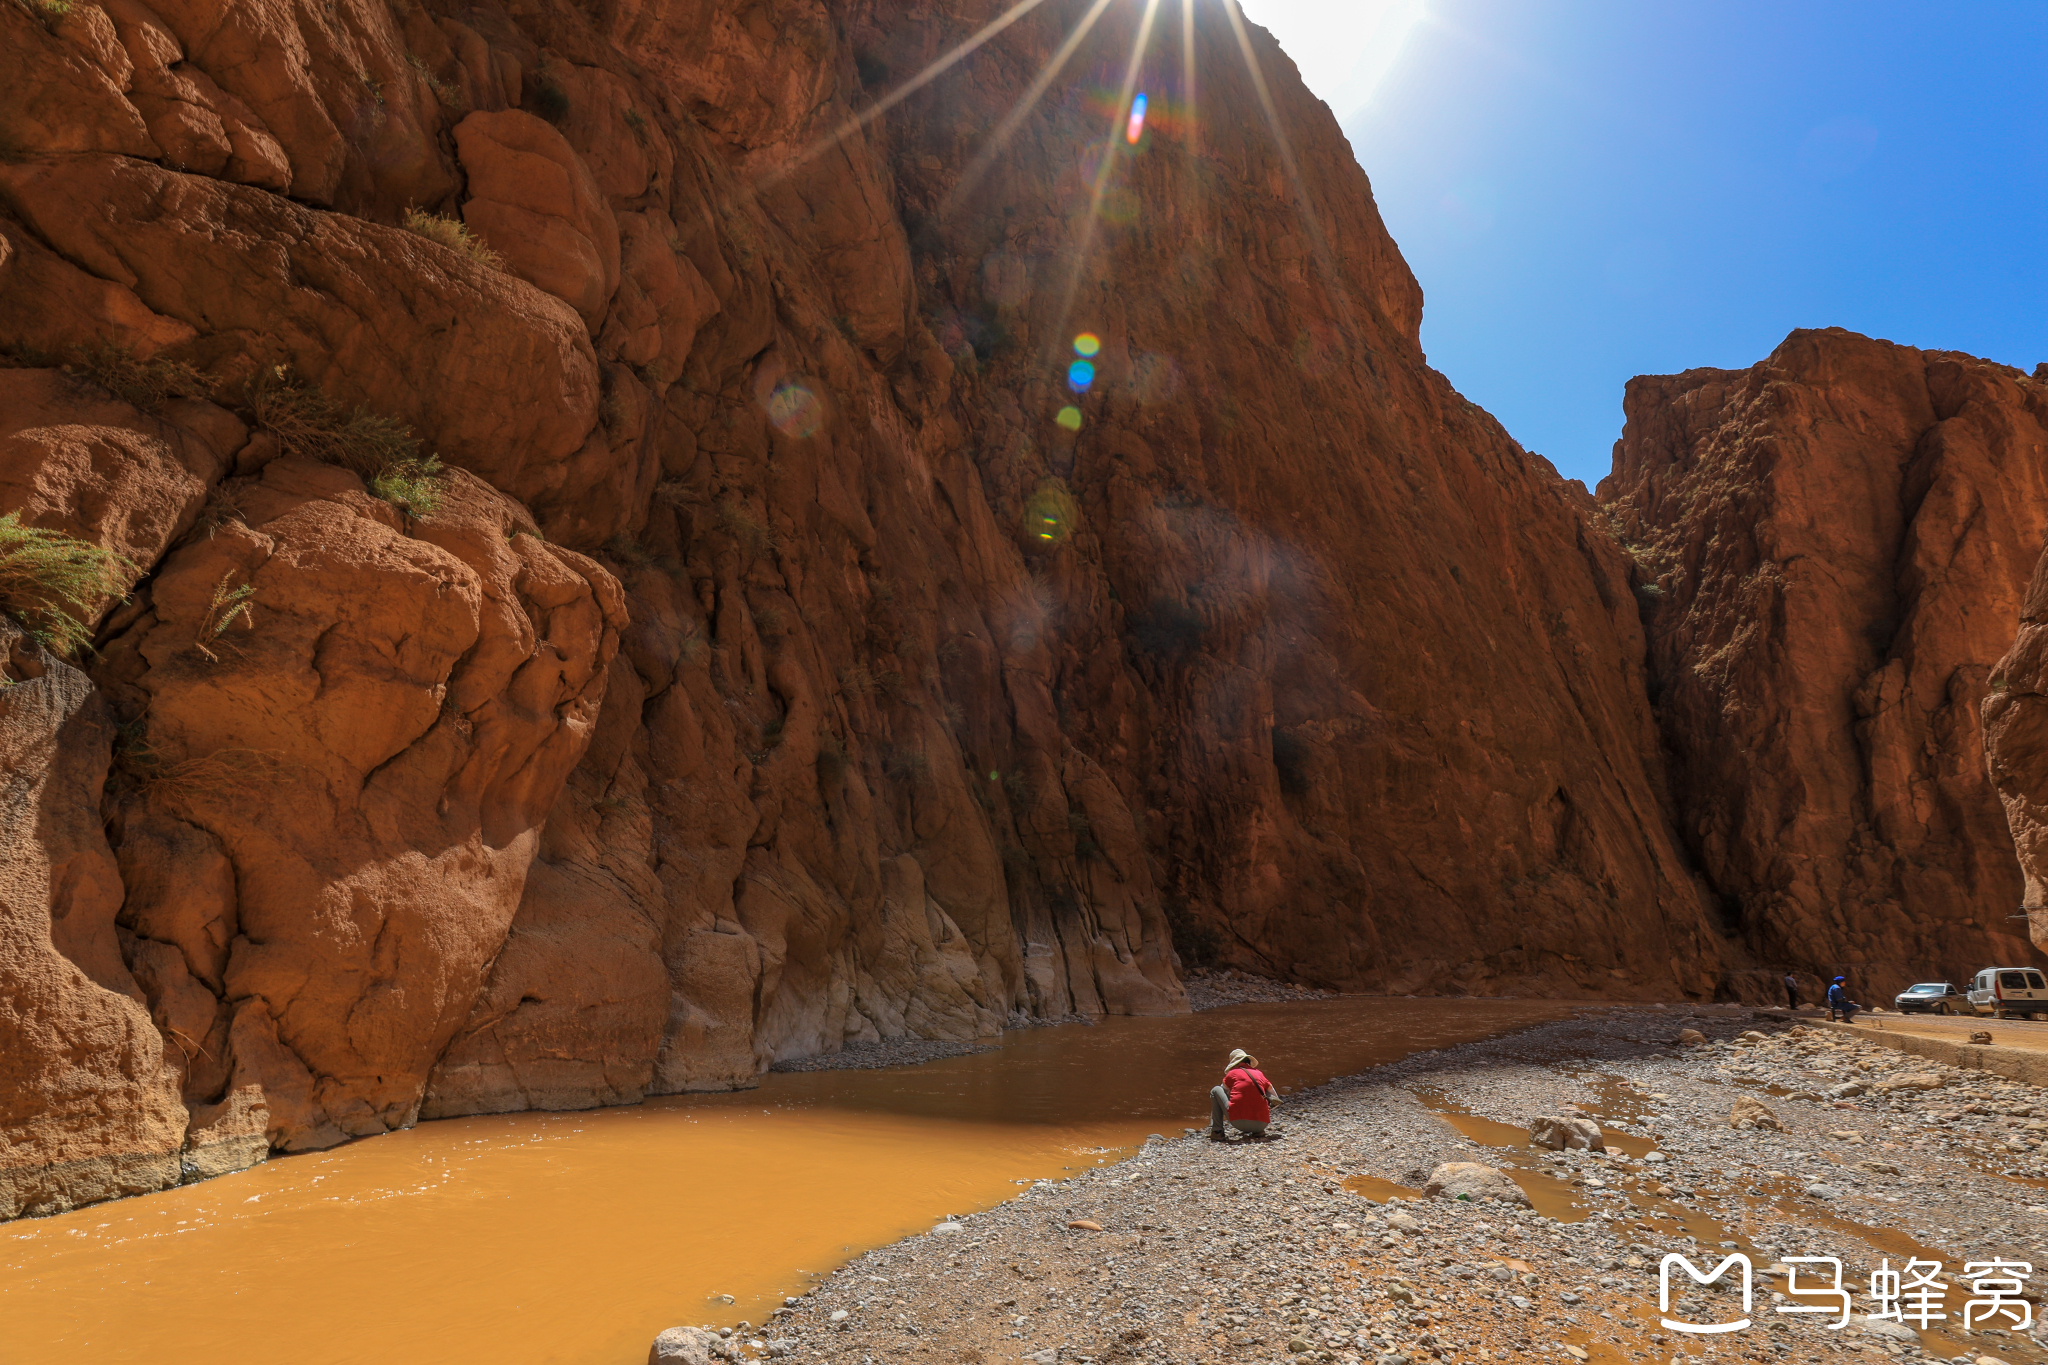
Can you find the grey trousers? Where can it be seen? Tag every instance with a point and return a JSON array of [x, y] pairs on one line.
[[1219, 1106]]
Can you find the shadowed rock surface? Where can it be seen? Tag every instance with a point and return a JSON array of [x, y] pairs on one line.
[[1831, 549]]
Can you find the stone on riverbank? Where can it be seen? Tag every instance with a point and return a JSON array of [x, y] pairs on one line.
[[1474, 1181], [1919, 1080], [1750, 1112], [1561, 1134], [688, 1346]]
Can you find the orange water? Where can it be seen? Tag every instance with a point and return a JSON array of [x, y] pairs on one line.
[[575, 1238]]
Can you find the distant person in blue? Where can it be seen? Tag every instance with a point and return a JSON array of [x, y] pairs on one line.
[[1791, 991], [1839, 1001]]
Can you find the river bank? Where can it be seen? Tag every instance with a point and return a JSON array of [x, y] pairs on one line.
[[578, 1236], [1319, 1246]]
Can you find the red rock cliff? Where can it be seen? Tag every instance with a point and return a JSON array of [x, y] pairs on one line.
[[777, 669], [2016, 741], [1831, 548]]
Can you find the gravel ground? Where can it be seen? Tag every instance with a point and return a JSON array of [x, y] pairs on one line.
[[1282, 1251], [877, 1056], [1208, 990]]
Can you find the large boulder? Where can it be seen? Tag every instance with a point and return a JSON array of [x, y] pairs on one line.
[[535, 203], [88, 1106], [491, 373], [371, 751]]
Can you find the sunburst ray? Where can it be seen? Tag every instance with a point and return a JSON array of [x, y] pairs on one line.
[[1303, 205], [1108, 164], [910, 87], [1046, 76]]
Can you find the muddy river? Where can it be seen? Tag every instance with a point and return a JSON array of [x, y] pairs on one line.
[[575, 1238]]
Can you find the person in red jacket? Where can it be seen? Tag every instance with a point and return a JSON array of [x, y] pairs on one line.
[[1245, 1098]]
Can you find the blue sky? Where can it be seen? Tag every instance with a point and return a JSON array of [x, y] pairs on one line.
[[1590, 190]]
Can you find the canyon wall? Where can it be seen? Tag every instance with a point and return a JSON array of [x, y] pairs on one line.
[[2016, 741], [1831, 548], [619, 578]]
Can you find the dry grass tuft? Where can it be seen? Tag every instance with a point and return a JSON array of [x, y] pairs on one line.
[[740, 522], [384, 452], [451, 233], [224, 772], [146, 384], [229, 605], [309, 423]]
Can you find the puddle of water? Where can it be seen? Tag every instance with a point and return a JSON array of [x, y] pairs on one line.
[[1382, 1190], [1548, 1195], [575, 1238]]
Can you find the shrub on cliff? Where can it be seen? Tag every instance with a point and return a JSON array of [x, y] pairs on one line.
[[384, 452], [414, 487], [50, 581], [146, 384], [452, 234]]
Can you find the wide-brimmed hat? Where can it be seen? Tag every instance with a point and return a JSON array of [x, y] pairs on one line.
[[1239, 1055], [1841, 978]]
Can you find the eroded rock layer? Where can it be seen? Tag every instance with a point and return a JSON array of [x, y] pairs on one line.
[[1831, 549], [890, 577]]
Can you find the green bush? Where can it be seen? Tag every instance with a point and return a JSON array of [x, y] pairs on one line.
[[452, 234], [49, 581], [414, 486]]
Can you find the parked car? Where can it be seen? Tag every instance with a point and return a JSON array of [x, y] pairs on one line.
[[2005, 991], [1932, 997]]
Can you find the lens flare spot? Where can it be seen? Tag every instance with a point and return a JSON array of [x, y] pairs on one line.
[[795, 410], [1049, 513], [1134, 127], [1070, 418], [1087, 344], [1080, 375]]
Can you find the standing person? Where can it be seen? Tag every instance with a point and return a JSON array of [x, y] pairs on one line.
[[1791, 991], [1245, 1099], [1838, 1000]]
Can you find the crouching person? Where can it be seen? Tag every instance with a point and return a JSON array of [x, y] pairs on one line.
[[1244, 1100]]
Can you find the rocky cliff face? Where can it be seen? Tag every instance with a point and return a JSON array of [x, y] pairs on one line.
[[885, 578], [2016, 743], [1831, 548]]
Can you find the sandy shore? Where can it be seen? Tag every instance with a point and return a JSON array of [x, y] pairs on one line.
[[1318, 1246]]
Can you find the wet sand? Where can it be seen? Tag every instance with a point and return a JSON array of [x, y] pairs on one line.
[[573, 1238]]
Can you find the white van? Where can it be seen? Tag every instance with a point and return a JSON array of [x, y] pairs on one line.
[[2006, 991]]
